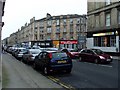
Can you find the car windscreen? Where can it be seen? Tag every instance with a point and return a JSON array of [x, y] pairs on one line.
[[97, 51], [73, 50], [59, 55]]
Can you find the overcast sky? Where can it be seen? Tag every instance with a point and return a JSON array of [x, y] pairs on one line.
[[18, 12]]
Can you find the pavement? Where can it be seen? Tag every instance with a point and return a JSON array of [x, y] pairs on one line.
[[21, 75], [0, 72]]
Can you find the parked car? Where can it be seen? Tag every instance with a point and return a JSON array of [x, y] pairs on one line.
[[94, 55], [35, 47], [72, 53], [50, 61], [19, 52], [29, 55], [51, 49]]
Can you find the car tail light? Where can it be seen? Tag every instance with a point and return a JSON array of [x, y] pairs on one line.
[[50, 55]]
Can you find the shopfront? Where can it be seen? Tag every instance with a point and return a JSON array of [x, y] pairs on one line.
[[107, 41], [42, 44], [65, 43]]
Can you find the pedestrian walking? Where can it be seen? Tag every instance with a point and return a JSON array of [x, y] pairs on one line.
[[2, 49]]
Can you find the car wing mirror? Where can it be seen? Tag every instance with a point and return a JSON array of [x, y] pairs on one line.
[[36, 56]]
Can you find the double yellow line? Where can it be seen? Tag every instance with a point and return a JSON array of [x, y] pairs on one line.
[[56, 80]]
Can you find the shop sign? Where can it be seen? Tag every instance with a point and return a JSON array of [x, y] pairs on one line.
[[103, 34], [48, 44], [68, 42], [42, 43]]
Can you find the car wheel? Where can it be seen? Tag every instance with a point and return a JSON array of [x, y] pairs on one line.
[[34, 66], [96, 61], [46, 71]]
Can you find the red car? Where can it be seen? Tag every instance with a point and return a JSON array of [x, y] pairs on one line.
[[72, 53], [94, 55]]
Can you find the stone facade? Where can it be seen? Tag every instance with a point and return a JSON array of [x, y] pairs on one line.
[[64, 27], [104, 18]]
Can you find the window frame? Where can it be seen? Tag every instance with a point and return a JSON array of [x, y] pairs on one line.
[[107, 19], [57, 22], [96, 41], [113, 41]]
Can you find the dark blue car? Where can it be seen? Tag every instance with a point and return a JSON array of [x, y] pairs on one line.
[[49, 61]]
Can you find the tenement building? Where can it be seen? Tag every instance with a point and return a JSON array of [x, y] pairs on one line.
[[103, 29], [63, 31]]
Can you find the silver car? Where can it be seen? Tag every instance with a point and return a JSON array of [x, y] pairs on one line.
[[29, 56], [19, 52]]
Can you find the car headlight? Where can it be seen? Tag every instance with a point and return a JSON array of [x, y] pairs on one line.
[[111, 57], [101, 57]]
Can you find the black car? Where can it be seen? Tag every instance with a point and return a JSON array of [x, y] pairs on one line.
[[49, 61]]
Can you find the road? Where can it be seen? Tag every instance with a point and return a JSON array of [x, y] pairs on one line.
[[83, 75], [90, 75]]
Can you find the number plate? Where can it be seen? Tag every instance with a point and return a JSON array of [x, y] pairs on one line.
[[108, 59], [62, 61]]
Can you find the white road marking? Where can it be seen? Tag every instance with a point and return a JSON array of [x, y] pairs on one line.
[[99, 64], [106, 65]]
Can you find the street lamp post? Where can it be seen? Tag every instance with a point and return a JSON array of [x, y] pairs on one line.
[[44, 41], [59, 41]]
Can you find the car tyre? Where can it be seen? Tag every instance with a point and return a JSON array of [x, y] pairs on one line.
[[34, 66]]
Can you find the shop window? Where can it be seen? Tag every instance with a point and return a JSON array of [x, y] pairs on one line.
[[112, 41], [96, 41], [103, 43]]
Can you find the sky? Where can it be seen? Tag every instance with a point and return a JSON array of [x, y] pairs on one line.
[[19, 12]]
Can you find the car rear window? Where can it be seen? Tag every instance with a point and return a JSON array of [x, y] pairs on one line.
[[59, 55], [35, 52], [22, 50]]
